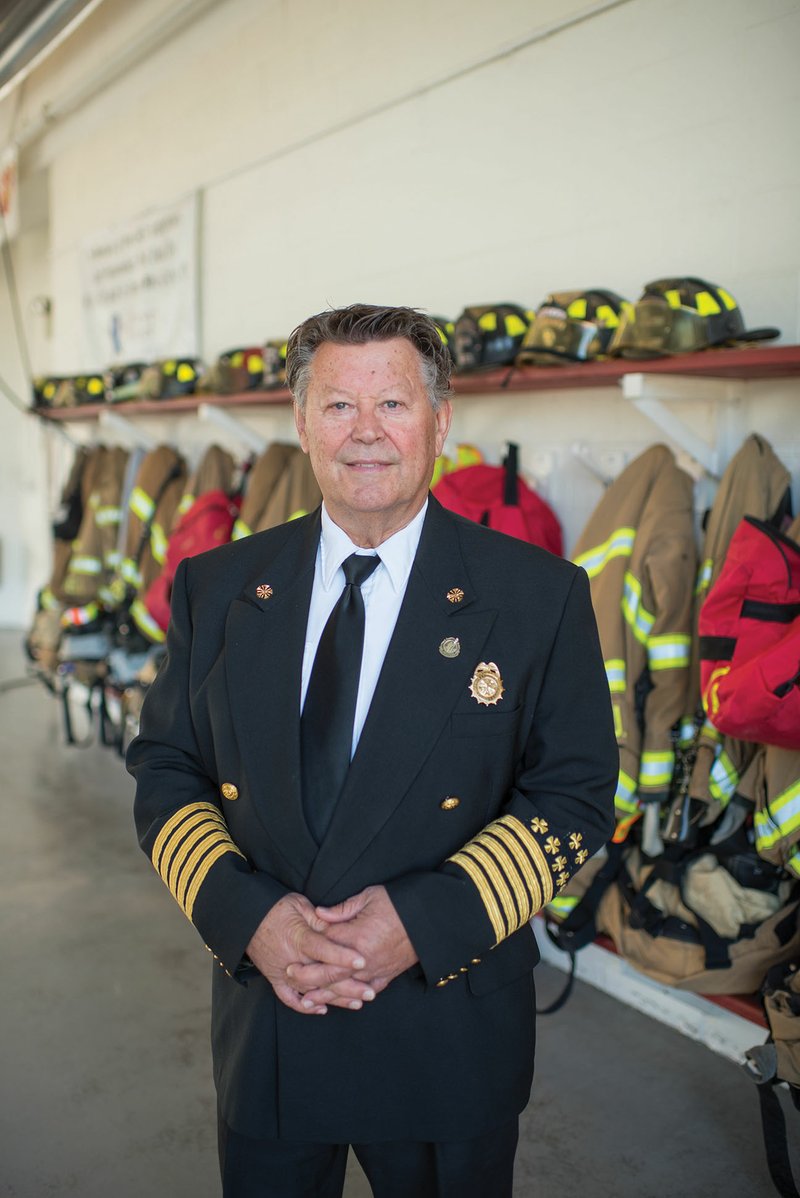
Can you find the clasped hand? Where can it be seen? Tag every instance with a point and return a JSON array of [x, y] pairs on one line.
[[342, 956]]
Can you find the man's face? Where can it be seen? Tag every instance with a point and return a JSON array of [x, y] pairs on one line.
[[371, 433]]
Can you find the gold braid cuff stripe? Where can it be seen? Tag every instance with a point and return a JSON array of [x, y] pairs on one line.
[[186, 848], [475, 872], [509, 857]]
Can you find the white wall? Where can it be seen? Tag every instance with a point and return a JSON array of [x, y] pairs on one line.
[[347, 149]]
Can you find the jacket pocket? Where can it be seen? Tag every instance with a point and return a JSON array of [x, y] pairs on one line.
[[484, 722]]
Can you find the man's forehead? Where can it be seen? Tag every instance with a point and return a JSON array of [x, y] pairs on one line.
[[375, 366]]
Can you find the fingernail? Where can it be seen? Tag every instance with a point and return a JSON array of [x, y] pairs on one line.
[[307, 1003], [289, 971], [368, 995], [355, 1005], [359, 963]]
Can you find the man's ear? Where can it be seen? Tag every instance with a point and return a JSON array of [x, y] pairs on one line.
[[300, 425], [444, 415]]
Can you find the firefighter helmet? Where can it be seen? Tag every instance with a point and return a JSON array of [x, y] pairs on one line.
[[678, 316], [274, 354], [572, 326], [447, 331], [489, 336], [235, 370]]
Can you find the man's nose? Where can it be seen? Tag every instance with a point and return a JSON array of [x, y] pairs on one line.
[[367, 427]]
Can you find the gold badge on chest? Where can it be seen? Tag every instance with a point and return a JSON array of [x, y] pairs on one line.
[[486, 685]]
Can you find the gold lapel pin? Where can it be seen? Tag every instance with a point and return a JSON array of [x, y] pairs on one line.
[[455, 594], [486, 685], [264, 591], [450, 646]]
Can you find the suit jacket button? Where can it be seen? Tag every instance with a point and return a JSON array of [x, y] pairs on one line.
[[229, 791], [450, 803]]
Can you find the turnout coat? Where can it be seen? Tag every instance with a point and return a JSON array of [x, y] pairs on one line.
[[484, 776]]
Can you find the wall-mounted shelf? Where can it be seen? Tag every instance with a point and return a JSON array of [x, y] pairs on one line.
[[751, 363]]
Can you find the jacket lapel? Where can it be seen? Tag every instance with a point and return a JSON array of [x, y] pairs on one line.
[[417, 690], [264, 640]]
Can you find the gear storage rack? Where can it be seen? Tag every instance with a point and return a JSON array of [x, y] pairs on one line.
[[727, 1024]]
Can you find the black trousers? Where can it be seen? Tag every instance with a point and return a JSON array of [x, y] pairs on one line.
[[477, 1168]]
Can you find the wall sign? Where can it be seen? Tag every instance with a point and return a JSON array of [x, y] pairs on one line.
[[9, 194], [139, 288]]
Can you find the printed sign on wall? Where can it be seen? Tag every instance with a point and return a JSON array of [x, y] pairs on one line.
[[9, 194], [139, 288]]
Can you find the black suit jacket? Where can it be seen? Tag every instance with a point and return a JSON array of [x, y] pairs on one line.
[[446, 1051]]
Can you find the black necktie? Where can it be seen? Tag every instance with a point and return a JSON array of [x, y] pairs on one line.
[[326, 726]]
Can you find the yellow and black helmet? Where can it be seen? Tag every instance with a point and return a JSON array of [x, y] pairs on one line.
[[274, 355], [235, 370], [489, 336], [447, 331], [572, 326], [680, 316]]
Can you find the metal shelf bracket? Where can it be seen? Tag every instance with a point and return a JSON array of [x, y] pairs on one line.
[[125, 429], [242, 432], [650, 393]]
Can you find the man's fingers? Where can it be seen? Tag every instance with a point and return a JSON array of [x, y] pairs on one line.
[[342, 912], [296, 1002], [320, 948], [313, 976], [341, 995]]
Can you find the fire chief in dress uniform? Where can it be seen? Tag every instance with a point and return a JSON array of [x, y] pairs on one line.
[[370, 922]]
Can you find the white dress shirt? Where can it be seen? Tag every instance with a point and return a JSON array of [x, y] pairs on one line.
[[383, 594]]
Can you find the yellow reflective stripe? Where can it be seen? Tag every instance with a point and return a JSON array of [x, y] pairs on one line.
[[704, 576], [145, 622], [141, 504], [625, 798], [655, 769], [723, 778], [295, 515], [710, 732], [727, 299], [112, 559], [636, 614], [706, 305], [577, 309], [48, 600], [76, 616], [673, 297], [130, 571], [606, 315], [488, 322], [562, 905], [185, 503], [106, 596], [619, 544], [107, 515], [85, 565], [793, 863], [615, 673], [158, 543], [780, 820], [515, 327], [687, 731], [668, 652], [240, 530]]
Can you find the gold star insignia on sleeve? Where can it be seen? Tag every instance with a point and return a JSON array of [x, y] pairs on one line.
[[581, 856], [559, 864], [552, 844], [575, 840], [563, 878], [539, 825]]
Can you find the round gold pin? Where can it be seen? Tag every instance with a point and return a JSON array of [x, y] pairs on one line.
[[450, 646], [455, 595], [264, 591], [486, 685]]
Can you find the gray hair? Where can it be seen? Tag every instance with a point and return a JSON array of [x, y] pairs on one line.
[[359, 324]]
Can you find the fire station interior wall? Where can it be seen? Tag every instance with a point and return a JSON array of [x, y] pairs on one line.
[[438, 155]]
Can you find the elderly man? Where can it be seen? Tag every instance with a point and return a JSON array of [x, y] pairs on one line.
[[380, 741]]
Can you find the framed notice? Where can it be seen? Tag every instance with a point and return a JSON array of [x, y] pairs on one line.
[[139, 288], [9, 194]]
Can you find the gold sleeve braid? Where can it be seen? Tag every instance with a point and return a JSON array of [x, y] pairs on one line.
[[511, 867], [186, 848]]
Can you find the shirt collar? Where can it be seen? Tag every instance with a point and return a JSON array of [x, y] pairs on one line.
[[396, 553]]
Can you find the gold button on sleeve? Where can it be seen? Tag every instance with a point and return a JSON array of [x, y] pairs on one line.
[[229, 791], [450, 803]]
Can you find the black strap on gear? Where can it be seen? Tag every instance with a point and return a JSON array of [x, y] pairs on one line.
[[580, 926], [773, 1126]]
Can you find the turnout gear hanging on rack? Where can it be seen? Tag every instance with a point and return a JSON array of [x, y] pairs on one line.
[[755, 483], [85, 589], [280, 486], [749, 633], [497, 497], [638, 549], [205, 517]]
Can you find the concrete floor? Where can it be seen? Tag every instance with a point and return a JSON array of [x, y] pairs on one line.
[[106, 1087]]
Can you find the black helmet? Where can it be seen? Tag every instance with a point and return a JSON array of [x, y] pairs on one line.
[[679, 316], [572, 326], [489, 336]]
